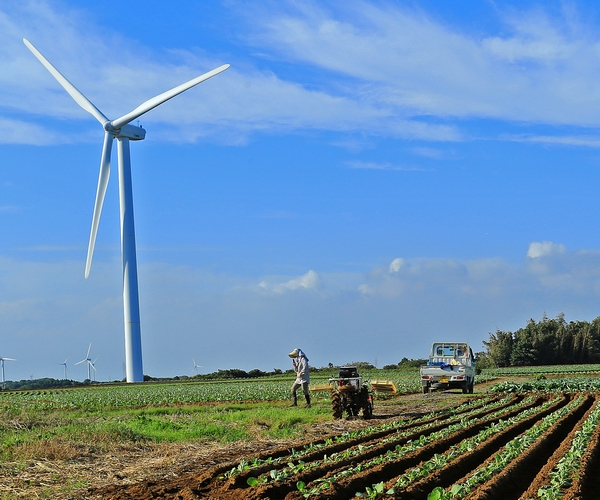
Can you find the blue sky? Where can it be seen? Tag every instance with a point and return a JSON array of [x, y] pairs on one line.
[[366, 178]]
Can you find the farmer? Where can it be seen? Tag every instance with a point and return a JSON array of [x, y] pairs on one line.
[[300, 363]]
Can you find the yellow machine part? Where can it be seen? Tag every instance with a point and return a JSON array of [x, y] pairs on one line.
[[384, 386], [320, 387]]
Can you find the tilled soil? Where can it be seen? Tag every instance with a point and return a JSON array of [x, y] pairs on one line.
[[182, 468], [327, 461]]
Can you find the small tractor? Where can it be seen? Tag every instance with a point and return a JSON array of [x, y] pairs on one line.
[[349, 394]]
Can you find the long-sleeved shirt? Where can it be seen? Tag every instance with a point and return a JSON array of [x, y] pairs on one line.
[[301, 369]]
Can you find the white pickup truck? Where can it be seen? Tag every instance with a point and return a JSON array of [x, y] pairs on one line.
[[450, 366]]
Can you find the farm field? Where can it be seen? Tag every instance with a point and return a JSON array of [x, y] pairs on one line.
[[531, 437]]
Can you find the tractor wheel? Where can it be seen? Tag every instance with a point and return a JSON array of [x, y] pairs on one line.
[[336, 405], [365, 403]]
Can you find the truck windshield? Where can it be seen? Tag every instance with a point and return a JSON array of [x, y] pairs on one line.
[[452, 350]]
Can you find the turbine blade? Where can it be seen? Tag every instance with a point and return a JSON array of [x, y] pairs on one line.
[[77, 96], [165, 96], [82, 361], [103, 177], [88, 353]]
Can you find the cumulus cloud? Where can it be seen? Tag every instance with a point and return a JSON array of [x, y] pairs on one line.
[[542, 248], [549, 268], [396, 265], [308, 281]]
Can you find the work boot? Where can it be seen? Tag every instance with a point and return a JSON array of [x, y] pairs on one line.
[[295, 403], [307, 397]]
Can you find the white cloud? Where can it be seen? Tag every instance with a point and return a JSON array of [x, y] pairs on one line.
[[9, 209], [51, 312], [386, 70], [23, 132], [227, 108], [308, 281], [542, 248], [580, 141], [363, 165], [396, 265], [417, 65]]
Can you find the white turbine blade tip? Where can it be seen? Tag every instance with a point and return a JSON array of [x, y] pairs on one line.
[[165, 96], [77, 96]]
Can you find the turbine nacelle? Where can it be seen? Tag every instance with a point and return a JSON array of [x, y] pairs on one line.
[[127, 131]]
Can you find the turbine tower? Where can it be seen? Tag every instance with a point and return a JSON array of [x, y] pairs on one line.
[[123, 132], [2, 360]]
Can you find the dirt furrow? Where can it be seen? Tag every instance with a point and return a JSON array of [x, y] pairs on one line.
[[515, 479], [459, 468], [386, 472], [518, 481], [586, 485], [543, 477]]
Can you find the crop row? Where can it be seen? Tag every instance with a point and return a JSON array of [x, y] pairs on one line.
[[142, 395], [314, 474], [328, 447], [569, 465], [441, 460], [398, 452], [476, 452], [542, 370], [578, 384], [399, 439], [508, 454]]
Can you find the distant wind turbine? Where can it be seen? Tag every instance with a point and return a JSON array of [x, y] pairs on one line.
[[2, 360], [90, 363], [64, 363], [123, 132], [196, 367]]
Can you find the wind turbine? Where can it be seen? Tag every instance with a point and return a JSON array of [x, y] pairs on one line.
[[2, 360], [64, 363], [195, 367], [90, 363], [123, 132]]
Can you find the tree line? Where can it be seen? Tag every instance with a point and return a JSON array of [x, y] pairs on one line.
[[546, 342]]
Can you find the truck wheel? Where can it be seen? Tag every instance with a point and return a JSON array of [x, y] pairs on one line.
[[465, 387], [336, 405], [425, 389], [471, 384]]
